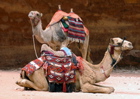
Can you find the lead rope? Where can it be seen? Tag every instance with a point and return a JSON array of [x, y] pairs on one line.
[[34, 46], [103, 71], [116, 61]]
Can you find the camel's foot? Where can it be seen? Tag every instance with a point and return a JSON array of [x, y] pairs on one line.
[[110, 90], [88, 88], [19, 89], [28, 85], [30, 89]]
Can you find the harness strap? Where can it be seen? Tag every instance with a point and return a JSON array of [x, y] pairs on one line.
[[34, 46], [103, 71], [113, 60]]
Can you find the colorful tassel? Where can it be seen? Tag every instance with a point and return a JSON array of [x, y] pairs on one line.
[[111, 49], [64, 87]]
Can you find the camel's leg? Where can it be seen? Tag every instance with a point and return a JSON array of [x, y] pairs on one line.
[[27, 83], [87, 87], [85, 50], [37, 81]]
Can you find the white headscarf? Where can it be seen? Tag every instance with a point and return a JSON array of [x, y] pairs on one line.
[[67, 51]]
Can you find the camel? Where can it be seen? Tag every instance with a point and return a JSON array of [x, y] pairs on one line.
[[91, 74], [53, 34]]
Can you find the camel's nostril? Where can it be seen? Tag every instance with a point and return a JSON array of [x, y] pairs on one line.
[[130, 44]]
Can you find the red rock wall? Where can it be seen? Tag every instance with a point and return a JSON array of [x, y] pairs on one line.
[[104, 19]]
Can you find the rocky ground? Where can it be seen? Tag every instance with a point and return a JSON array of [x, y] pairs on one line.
[[125, 82]]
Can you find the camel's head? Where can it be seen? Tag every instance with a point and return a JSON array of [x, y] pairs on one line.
[[34, 15], [120, 44]]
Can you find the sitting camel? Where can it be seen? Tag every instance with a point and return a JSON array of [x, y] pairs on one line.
[[54, 35], [90, 74]]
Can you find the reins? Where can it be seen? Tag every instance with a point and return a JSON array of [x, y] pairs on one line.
[[35, 24], [34, 46]]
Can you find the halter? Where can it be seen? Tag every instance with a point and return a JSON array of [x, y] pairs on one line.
[[111, 52], [35, 21]]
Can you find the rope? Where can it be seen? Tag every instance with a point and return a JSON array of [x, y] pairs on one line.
[[34, 46]]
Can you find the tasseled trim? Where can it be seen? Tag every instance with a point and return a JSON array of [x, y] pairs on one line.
[[80, 64], [64, 87], [111, 49]]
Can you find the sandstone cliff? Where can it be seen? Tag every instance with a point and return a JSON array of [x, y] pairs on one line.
[[104, 19]]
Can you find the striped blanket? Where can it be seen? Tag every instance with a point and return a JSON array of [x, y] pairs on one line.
[[35, 65], [59, 69], [72, 31], [76, 30]]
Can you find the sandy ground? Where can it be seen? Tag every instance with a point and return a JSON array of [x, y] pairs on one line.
[[126, 84]]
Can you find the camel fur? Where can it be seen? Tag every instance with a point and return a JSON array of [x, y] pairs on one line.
[[91, 74], [53, 35]]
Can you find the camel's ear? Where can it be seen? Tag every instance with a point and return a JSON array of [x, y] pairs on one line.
[[111, 41], [41, 14]]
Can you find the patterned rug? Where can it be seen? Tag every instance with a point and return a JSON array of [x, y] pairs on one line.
[[76, 30], [60, 70]]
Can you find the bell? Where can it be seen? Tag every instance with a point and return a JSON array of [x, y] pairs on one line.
[[65, 18]]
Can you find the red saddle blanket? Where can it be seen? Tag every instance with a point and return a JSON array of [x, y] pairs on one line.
[[34, 65], [59, 69]]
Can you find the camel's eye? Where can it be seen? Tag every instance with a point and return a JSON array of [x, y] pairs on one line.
[[37, 14]]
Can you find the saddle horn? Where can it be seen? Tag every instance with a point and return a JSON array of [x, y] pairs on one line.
[[59, 7], [71, 10]]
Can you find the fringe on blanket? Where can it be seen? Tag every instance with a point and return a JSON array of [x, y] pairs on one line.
[[76, 30]]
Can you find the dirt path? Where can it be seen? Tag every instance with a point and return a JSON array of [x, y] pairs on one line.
[[126, 84]]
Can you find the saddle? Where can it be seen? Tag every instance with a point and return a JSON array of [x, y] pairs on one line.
[[71, 24], [60, 71]]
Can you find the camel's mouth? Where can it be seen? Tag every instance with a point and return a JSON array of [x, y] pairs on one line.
[[30, 17], [128, 48]]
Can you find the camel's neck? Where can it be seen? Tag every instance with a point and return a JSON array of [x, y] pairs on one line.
[[37, 30], [104, 68]]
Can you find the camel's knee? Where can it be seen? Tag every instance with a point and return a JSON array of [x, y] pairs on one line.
[[21, 82]]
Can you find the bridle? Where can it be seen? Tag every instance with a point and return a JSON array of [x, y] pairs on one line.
[[35, 20], [111, 52]]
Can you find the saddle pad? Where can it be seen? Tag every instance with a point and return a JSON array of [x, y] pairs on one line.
[[76, 30], [34, 65], [60, 70]]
